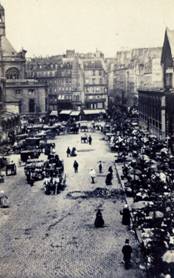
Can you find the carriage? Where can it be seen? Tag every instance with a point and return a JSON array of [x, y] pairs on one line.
[[11, 169], [29, 154], [34, 168], [84, 138]]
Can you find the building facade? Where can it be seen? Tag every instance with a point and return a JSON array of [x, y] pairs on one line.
[[64, 77], [95, 84], [152, 111], [12, 69], [137, 69], [167, 60], [156, 107], [75, 80]]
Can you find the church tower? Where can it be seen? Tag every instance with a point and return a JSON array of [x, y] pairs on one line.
[[2, 21]]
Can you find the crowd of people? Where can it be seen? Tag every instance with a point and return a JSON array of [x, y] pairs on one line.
[[146, 169]]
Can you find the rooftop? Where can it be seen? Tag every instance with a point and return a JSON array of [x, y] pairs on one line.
[[170, 35], [6, 47]]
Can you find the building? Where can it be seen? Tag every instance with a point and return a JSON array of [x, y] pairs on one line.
[[12, 68], [75, 81], [156, 107], [167, 59], [136, 69], [25, 97], [95, 84], [64, 77], [152, 111]]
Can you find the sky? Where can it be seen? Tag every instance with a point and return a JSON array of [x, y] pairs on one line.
[[49, 27]]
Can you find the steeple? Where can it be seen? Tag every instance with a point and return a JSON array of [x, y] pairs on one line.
[[2, 21]]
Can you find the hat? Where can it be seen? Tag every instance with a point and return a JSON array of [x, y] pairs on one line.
[[127, 241]]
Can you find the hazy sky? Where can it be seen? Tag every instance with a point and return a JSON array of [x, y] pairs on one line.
[[46, 27]]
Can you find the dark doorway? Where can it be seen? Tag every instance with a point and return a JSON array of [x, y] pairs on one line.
[[31, 105]]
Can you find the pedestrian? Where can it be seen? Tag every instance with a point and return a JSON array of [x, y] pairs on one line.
[[92, 174], [56, 181], [127, 251], [32, 178], [73, 152], [100, 167], [126, 215], [76, 166], [90, 140], [110, 170], [68, 152], [99, 222], [108, 180]]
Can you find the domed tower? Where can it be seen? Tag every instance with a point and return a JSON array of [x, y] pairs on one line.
[[2, 21]]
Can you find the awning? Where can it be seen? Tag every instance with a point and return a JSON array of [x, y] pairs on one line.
[[75, 113], [9, 116], [65, 112], [94, 111], [54, 113]]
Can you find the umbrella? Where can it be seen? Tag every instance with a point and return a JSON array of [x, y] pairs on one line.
[[145, 157], [136, 171], [152, 136], [134, 132], [140, 204], [168, 256], [145, 139], [156, 214]]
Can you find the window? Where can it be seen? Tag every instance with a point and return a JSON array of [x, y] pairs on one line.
[[18, 92], [168, 80], [12, 73], [30, 91]]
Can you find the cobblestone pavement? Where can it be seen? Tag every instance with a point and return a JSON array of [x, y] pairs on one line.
[[54, 236]]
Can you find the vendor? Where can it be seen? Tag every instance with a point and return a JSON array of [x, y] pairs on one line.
[[126, 215]]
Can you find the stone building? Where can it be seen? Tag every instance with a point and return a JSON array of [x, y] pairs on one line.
[[167, 59], [12, 68], [95, 84], [156, 107], [75, 80], [152, 111], [64, 77], [135, 69]]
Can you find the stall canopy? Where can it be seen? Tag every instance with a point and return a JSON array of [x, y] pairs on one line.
[[94, 111], [65, 112], [9, 116], [75, 113], [54, 113]]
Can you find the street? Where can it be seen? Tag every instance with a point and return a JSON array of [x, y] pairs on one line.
[[54, 236]]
